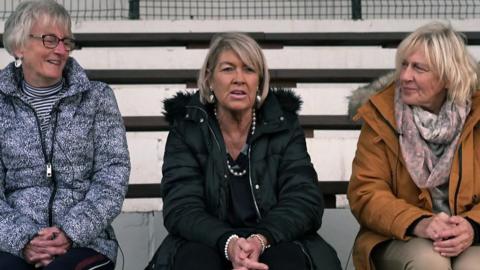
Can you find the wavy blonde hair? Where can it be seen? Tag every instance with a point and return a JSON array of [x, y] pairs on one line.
[[249, 52], [446, 55]]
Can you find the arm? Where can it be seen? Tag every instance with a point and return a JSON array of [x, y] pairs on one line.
[[300, 206], [184, 201], [16, 228], [370, 193], [110, 173]]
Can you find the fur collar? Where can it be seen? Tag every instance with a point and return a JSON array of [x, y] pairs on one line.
[[175, 107], [361, 95]]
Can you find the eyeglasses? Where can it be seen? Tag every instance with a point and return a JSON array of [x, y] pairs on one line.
[[51, 41]]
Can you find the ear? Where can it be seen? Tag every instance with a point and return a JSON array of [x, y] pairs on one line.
[[209, 79], [18, 53]]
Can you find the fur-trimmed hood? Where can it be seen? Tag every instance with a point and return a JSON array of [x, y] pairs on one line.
[[176, 107], [362, 94]]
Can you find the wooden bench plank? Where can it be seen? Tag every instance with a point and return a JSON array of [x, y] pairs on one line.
[[328, 188], [315, 122], [278, 76]]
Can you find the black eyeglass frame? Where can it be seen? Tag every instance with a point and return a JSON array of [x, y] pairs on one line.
[[52, 44]]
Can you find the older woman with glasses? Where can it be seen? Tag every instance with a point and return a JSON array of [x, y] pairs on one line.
[[64, 163]]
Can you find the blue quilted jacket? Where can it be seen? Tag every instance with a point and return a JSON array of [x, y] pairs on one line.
[[85, 150]]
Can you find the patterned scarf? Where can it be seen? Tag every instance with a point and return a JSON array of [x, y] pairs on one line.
[[428, 141]]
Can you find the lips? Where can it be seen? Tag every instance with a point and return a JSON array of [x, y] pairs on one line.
[[409, 89], [54, 62], [238, 93]]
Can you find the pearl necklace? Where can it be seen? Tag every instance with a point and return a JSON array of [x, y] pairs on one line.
[[254, 124], [232, 171]]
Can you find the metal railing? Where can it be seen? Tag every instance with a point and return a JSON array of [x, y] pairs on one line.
[[263, 9]]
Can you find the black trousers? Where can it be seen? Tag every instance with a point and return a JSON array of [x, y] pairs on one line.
[[284, 256], [74, 259]]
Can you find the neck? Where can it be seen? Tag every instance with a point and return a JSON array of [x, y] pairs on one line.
[[234, 122]]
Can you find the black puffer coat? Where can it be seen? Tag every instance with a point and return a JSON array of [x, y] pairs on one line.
[[282, 179]]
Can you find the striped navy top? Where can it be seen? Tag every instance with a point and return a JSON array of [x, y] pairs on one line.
[[42, 100]]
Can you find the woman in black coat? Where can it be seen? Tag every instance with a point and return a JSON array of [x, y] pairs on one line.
[[239, 188]]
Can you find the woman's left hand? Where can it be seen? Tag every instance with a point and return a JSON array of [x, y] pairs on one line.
[[455, 239], [52, 241], [244, 254]]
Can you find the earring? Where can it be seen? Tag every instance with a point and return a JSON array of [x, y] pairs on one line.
[[259, 98], [18, 62], [211, 97]]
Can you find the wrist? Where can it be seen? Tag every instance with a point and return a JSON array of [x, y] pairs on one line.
[[261, 239], [227, 243]]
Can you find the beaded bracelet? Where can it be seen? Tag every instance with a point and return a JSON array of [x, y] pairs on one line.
[[260, 239], [233, 236]]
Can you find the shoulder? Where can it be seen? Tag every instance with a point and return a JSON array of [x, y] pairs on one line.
[[361, 95], [288, 101], [175, 108]]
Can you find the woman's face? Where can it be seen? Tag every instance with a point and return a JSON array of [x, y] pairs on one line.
[[234, 83], [43, 66], [419, 85]]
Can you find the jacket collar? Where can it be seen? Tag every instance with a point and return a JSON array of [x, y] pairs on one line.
[[75, 77], [271, 117], [383, 104]]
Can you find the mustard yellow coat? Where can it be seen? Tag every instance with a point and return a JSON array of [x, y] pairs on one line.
[[381, 193]]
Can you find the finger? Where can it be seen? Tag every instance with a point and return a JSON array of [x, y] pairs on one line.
[[33, 257], [451, 247], [49, 232], [245, 245], [43, 263], [442, 216], [250, 264]]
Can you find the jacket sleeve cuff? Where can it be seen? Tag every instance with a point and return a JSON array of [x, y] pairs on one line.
[[476, 230], [221, 243], [412, 226], [268, 235]]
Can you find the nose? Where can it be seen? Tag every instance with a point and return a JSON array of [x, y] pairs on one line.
[[239, 77], [60, 49], [406, 73]]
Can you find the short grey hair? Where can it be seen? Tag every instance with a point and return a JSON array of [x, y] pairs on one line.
[[249, 52], [20, 22]]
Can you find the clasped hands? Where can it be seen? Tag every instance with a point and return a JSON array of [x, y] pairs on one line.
[[451, 235], [245, 252], [48, 243]]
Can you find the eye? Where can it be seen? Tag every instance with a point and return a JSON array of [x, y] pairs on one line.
[[50, 39], [226, 68], [420, 68], [249, 69]]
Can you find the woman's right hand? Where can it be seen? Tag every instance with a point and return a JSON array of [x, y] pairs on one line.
[[244, 254], [431, 227], [48, 243], [35, 255]]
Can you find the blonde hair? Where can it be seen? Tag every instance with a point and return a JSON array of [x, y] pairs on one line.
[[447, 56], [249, 52], [20, 22]]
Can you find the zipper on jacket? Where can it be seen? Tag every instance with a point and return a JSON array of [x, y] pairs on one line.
[[259, 215], [47, 158], [50, 171], [455, 201], [307, 256]]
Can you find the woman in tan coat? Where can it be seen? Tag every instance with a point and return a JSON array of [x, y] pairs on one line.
[[415, 182]]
